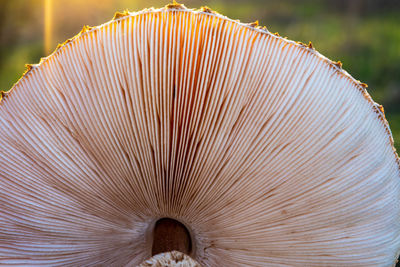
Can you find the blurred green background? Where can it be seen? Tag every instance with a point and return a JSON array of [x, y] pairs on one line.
[[363, 34]]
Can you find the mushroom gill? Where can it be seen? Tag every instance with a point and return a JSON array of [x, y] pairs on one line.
[[257, 150]]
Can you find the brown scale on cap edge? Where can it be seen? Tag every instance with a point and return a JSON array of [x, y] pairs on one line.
[[119, 15], [338, 64], [254, 24], [206, 9], [175, 5]]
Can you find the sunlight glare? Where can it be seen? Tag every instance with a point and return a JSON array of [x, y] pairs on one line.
[[48, 6]]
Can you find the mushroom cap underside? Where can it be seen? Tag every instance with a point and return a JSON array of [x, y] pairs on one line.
[[265, 150]]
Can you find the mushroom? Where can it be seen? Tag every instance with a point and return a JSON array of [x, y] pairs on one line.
[[182, 130]]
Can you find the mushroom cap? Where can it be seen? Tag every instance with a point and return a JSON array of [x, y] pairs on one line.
[[268, 152]]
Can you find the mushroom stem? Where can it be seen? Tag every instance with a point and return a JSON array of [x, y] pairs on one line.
[[173, 258], [170, 235]]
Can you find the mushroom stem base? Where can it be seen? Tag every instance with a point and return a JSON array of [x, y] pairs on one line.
[[173, 258]]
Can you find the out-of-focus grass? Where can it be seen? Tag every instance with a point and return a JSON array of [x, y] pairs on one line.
[[367, 44], [14, 62]]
